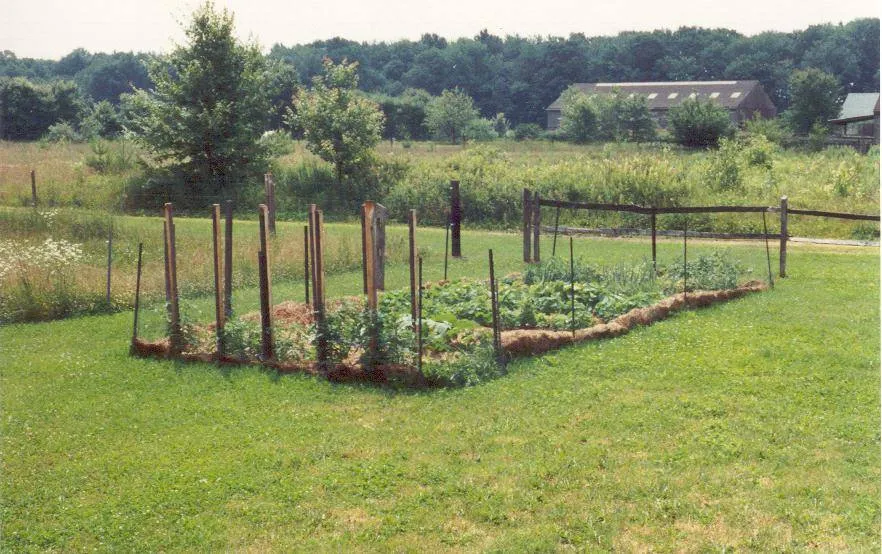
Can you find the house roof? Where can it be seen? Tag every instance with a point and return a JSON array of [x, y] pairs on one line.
[[858, 106], [664, 95]]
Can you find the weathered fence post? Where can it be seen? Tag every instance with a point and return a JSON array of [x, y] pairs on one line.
[[494, 310], [782, 259], [537, 221], [455, 220], [165, 268], [109, 260], [34, 187], [218, 284], [137, 299], [228, 260], [364, 230], [266, 323], [528, 218], [174, 312], [318, 288], [306, 264], [270, 185], [768, 254], [411, 262], [378, 228], [652, 224]]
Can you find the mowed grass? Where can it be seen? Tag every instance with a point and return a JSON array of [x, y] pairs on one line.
[[752, 425]]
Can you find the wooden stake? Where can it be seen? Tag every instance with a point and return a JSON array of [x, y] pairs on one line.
[[768, 253], [782, 258], [364, 230], [446, 244], [174, 308], [528, 219], [263, 260], [137, 299], [109, 260], [306, 264], [411, 260], [537, 221], [228, 261], [165, 268], [218, 280], [420, 318], [34, 188], [556, 224], [455, 220], [368, 241], [270, 186]]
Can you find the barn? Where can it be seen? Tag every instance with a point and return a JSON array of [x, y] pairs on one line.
[[859, 116], [743, 99]]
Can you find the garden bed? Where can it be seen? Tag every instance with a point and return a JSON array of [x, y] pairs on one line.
[[539, 310]]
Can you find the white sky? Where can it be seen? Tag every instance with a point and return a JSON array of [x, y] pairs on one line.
[[52, 28]]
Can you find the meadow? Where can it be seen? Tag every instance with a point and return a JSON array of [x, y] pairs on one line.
[[751, 425]]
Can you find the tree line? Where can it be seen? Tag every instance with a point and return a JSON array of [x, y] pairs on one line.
[[512, 75]]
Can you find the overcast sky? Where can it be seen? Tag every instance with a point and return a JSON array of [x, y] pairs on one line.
[[51, 29]]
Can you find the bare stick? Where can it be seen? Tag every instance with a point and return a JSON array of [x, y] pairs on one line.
[[109, 260], [420, 318], [228, 260], [572, 290], [270, 185], [685, 267], [556, 226], [368, 211], [34, 188], [218, 284], [768, 253], [494, 308], [782, 259], [137, 299], [411, 262]]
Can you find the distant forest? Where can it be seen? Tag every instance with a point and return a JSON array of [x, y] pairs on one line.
[[520, 76]]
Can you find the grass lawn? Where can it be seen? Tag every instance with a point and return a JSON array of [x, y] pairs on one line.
[[752, 425]]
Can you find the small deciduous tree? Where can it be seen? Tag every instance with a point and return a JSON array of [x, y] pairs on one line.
[[339, 124], [209, 106], [447, 115], [815, 97], [700, 123], [578, 116]]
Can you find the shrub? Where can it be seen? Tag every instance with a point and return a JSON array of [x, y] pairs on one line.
[[724, 169], [578, 116], [479, 130], [527, 131], [700, 123], [758, 151], [62, 132]]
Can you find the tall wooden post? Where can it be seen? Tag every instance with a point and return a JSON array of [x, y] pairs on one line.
[[378, 228], [782, 258], [455, 220], [369, 252], [411, 262], [537, 221], [176, 343], [109, 260], [34, 188], [556, 228], [316, 222], [218, 279], [270, 185], [364, 230], [137, 299], [165, 269], [228, 260], [306, 264], [494, 309], [266, 323], [528, 219]]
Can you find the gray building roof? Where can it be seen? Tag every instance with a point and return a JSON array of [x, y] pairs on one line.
[[858, 106], [664, 95]]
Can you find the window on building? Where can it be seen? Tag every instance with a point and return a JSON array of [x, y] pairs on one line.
[[715, 95], [652, 95], [735, 95], [693, 95], [672, 96]]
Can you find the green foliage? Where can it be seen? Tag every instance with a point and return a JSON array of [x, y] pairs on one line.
[[62, 132], [527, 131], [501, 125], [578, 116], [700, 123], [405, 115], [27, 110], [713, 271], [773, 130], [815, 97], [817, 136], [479, 130], [724, 167], [208, 108], [338, 124], [447, 115], [102, 121], [108, 157]]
